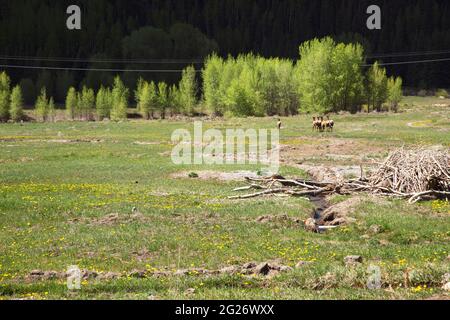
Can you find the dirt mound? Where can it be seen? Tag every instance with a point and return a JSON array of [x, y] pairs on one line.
[[339, 214]]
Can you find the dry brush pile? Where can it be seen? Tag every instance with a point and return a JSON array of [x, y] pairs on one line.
[[413, 174]]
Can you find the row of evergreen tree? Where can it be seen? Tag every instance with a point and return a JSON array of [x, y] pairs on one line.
[[187, 29], [328, 77]]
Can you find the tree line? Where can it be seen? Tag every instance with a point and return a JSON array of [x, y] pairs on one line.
[[186, 29], [328, 77]]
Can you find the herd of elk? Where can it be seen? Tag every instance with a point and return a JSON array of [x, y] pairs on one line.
[[321, 125]]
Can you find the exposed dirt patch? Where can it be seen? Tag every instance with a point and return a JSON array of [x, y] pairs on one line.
[[143, 255], [216, 175], [67, 141], [439, 297], [305, 149], [146, 143], [322, 173]]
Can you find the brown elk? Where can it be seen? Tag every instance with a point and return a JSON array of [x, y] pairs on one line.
[[321, 125], [316, 124], [329, 124]]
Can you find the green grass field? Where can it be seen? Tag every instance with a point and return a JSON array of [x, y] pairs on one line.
[[67, 190]]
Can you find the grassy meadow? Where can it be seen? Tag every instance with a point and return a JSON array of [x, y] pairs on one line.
[[68, 189]]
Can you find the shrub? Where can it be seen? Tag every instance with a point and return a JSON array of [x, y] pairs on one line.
[[103, 103], [119, 97], [4, 96], [163, 99], [442, 93], [239, 100], [147, 99], [395, 94], [4, 105], [175, 100], [188, 91], [72, 104], [42, 106], [5, 82], [377, 87], [51, 110], [422, 93], [86, 103], [16, 107]]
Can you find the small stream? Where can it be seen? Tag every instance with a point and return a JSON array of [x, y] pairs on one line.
[[320, 205]]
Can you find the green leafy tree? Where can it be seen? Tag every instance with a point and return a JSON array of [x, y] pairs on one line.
[[315, 76], [188, 91], [288, 102], [87, 103], [163, 99], [329, 76], [119, 100], [377, 87], [42, 106], [212, 74], [4, 105], [239, 100], [51, 110], [103, 103], [395, 94], [348, 80], [230, 72], [5, 89], [72, 104], [138, 92], [16, 106], [175, 100], [147, 100], [5, 82]]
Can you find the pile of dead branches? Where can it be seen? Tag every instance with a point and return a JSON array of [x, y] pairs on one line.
[[417, 174]]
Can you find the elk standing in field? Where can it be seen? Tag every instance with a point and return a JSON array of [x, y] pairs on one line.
[[317, 124], [321, 125], [329, 124]]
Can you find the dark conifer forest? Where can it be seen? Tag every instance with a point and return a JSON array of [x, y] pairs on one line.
[[171, 34]]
